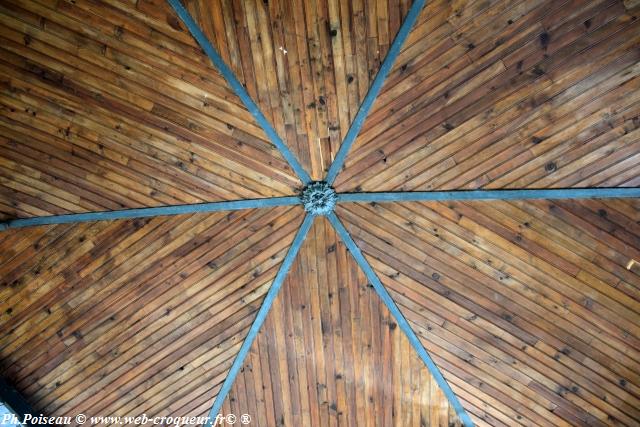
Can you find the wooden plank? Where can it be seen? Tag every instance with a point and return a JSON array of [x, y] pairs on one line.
[[383, 381], [115, 81], [134, 310], [478, 95], [300, 57], [471, 290]]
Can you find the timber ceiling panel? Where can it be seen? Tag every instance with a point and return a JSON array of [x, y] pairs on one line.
[[110, 105], [307, 64], [329, 353], [507, 94], [527, 306], [134, 316]]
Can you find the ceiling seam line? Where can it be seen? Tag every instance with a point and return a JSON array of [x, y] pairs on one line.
[[504, 194], [374, 90], [228, 205], [260, 317], [239, 90], [386, 298]]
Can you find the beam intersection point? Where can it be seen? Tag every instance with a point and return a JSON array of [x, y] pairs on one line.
[[319, 198]]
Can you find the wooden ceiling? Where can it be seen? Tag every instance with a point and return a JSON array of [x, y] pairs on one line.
[[331, 354], [106, 106], [507, 94], [528, 307], [308, 64], [136, 316]]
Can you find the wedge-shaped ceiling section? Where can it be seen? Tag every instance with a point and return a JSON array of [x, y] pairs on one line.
[[113, 106], [136, 316], [531, 309], [329, 352], [308, 65], [503, 94]]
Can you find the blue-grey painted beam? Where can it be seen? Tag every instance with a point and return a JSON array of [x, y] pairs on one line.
[[14, 401], [260, 317], [560, 193], [374, 90], [239, 89], [232, 205], [400, 319]]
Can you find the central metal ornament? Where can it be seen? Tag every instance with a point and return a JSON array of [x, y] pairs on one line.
[[319, 198]]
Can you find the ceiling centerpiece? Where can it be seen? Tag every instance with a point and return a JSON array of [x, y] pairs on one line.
[[319, 198]]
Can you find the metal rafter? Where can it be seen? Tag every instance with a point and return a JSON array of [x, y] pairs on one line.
[[552, 193], [261, 316], [237, 87], [384, 295], [232, 205], [333, 171]]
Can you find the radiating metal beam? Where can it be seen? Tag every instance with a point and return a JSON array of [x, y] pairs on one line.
[[239, 89], [374, 90], [400, 319], [560, 193], [14, 401], [232, 205], [260, 317]]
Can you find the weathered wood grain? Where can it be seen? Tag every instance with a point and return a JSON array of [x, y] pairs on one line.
[[104, 106], [507, 94], [137, 316], [330, 353], [308, 64], [527, 307]]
